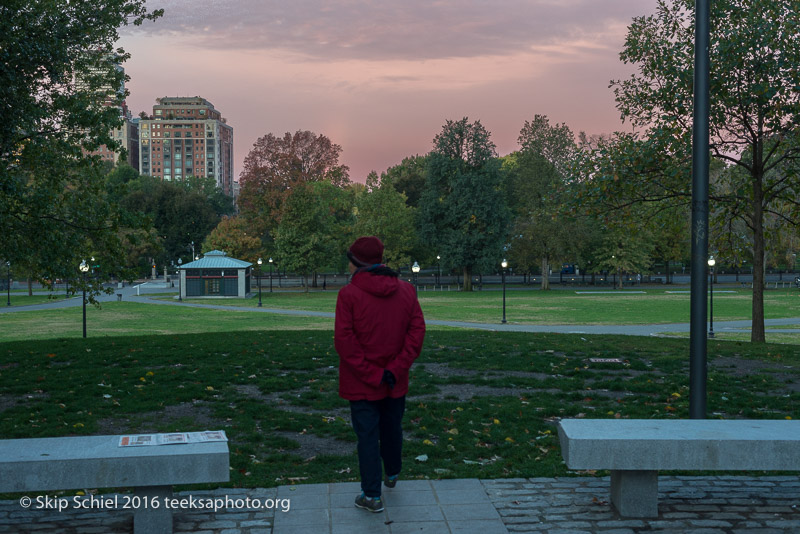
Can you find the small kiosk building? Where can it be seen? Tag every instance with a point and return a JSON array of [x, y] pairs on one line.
[[215, 275]]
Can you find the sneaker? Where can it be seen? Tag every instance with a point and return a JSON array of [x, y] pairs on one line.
[[390, 481], [372, 504]]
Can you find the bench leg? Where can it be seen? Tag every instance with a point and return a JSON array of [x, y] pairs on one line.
[[635, 493], [149, 519]]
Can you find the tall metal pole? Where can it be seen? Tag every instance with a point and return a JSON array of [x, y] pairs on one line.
[[504, 297], [698, 371], [504, 264], [180, 282], [84, 304], [8, 281], [711, 303]]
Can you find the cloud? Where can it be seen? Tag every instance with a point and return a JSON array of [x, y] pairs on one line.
[[410, 30]]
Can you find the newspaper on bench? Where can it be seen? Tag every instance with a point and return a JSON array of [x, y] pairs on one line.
[[172, 438]]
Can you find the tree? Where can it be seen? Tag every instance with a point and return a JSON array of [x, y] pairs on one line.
[[408, 178], [537, 180], [754, 114], [59, 77], [463, 211], [307, 236], [554, 143], [180, 212], [382, 211], [623, 249], [231, 236], [276, 166]]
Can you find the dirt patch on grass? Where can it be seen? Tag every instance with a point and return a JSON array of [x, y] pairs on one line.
[[443, 370], [6, 402], [312, 446], [149, 422], [784, 374]]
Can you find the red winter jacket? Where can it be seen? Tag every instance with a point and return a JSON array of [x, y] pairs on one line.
[[379, 325]]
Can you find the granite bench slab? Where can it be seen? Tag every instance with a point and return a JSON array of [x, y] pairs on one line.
[[634, 450], [83, 462]]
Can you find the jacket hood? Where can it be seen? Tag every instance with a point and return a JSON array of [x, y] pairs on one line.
[[379, 286]]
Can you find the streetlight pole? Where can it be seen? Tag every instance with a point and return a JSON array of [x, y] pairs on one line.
[[180, 284], [84, 267], [8, 282], [504, 264], [270, 275], [438, 270], [415, 269], [260, 261], [711, 263]]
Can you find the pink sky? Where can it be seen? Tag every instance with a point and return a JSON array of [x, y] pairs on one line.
[[381, 77]]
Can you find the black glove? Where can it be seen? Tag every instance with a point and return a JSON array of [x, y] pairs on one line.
[[388, 379]]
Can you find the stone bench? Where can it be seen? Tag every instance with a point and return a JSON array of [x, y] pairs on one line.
[[83, 462], [634, 450]]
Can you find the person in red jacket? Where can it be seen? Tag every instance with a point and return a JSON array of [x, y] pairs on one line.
[[379, 332]]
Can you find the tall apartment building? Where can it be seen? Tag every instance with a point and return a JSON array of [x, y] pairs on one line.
[[184, 137], [127, 134]]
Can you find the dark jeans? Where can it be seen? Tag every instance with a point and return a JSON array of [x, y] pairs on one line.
[[379, 428]]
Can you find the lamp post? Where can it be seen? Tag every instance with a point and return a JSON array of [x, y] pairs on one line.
[[438, 270], [415, 269], [84, 267], [711, 263], [180, 294], [270, 275], [260, 261], [504, 264], [8, 282]]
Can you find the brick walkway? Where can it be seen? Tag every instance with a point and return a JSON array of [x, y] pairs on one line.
[[707, 505]]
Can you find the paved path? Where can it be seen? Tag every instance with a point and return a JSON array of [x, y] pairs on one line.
[[687, 504]]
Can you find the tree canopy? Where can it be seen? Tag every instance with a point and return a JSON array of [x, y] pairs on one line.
[[275, 166], [754, 118], [60, 86], [463, 211]]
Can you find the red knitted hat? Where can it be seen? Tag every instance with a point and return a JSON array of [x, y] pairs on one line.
[[366, 251]]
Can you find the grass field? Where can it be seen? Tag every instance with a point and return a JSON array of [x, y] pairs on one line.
[[522, 307], [22, 298], [132, 319], [655, 306], [482, 404]]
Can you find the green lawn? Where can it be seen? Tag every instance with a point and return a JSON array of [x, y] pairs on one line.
[[522, 307], [22, 298], [482, 404], [555, 307], [131, 319]]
